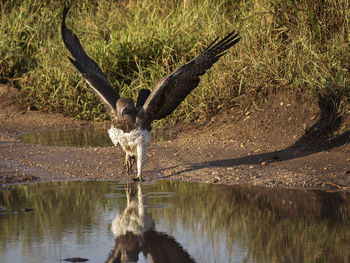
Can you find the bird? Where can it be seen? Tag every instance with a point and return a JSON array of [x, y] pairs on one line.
[[131, 124]]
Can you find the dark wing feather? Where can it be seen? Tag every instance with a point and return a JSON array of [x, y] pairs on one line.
[[142, 97], [88, 68], [173, 89]]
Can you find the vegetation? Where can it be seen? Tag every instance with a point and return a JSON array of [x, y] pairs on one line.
[[298, 45]]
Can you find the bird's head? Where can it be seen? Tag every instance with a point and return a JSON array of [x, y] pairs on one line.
[[125, 110]]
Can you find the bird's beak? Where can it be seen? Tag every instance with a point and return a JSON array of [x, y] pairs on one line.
[[125, 111]]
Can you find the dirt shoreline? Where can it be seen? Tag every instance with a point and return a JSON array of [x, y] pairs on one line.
[[294, 141]]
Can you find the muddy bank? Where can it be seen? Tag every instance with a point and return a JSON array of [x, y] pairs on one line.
[[293, 141]]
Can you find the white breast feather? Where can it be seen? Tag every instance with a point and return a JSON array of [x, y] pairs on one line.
[[132, 221], [129, 140]]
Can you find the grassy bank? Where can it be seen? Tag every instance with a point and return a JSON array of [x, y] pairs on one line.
[[299, 45]]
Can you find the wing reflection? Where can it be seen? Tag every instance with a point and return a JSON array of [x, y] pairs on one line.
[[134, 233]]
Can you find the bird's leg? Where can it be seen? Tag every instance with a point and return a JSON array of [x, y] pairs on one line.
[[128, 194], [128, 163], [133, 159], [141, 154]]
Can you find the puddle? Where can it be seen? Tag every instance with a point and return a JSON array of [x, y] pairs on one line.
[[82, 137], [171, 222]]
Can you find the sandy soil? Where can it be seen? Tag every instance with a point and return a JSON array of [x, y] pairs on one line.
[[293, 141]]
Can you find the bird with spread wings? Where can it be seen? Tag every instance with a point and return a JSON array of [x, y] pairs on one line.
[[132, 124]]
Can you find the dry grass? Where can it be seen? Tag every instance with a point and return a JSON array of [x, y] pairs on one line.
[[299, 45]]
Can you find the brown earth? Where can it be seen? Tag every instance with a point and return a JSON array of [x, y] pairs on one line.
[[292, 140]]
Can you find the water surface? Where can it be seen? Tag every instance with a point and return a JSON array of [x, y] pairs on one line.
[[82, 137], [171, 222]]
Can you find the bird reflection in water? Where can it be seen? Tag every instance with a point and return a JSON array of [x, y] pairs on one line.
[[134, 232]]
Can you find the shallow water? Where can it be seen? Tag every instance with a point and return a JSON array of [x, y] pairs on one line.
[[171, 222], [86, 136], [82, 137]]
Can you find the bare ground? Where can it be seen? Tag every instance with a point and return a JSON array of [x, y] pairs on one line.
[[292, 140]]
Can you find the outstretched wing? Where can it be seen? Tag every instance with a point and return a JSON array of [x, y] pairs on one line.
[[88, 68], [142, 97], [173, 89]]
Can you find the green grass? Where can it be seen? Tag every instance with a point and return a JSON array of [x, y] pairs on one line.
[[298, 45]]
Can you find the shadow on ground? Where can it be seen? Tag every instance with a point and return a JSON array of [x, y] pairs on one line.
[[318, 138]]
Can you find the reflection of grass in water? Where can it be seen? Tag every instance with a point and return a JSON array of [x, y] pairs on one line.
[[75, 137], [62, 205], [87, 136], [275, 225]]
